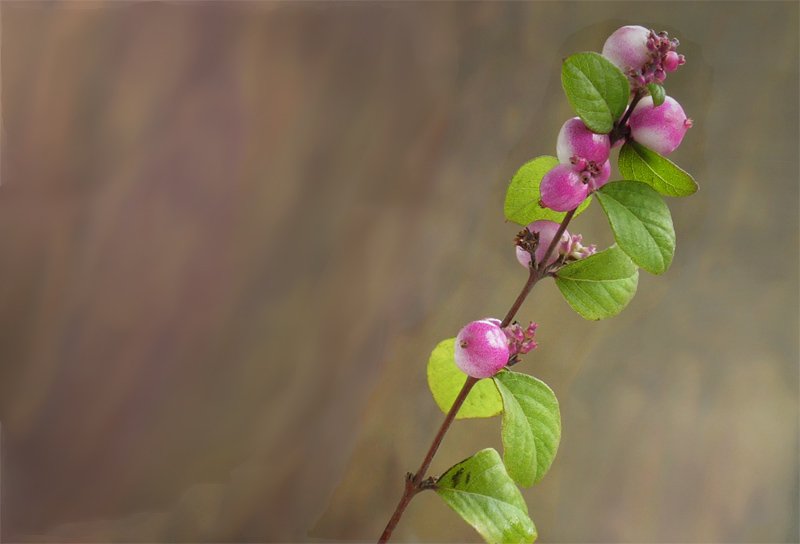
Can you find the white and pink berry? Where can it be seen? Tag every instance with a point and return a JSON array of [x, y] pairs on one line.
[[660, 128], [627, 48], [601, 176], [643, 55], [481, 348], [575, 140], [562, 189], [546, 231]]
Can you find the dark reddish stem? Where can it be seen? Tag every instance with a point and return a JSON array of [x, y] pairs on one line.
[[416, 482], [620, 130]]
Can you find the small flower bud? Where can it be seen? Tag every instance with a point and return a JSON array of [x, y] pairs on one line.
[[578, 251], [481, 348], [660, 128], [575, 140], [671, 61], [628, 47], [562, 189], [520, 341], [546, 231]]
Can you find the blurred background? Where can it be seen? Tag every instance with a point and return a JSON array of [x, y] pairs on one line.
[[231, 233]]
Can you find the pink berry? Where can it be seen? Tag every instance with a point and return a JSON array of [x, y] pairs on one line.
[[659, 128], [547, 231], [562, 189], [602, 176], [627, 48], [481, 349], [671, 61], [575, 140]]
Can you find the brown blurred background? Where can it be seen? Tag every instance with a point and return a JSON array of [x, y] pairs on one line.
[[230, 234]]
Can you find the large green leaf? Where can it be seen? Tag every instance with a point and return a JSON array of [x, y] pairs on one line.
[[597, 90], [481, 492], [641, 223], [531, 426], [638, 163], [445, 380], [522, 197], [599, 286]]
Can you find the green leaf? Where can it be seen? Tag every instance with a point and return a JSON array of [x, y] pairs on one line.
[[638, 163], [641, 223], [657, 92], [445, 380], [481, 492], [599, 286], [522, 197], [597, 90], [531, 426]]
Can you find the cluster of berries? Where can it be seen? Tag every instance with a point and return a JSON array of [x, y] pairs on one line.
[[483, 348], [583, 155]]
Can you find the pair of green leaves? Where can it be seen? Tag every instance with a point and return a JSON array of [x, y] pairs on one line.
[[531, 432], [601, 286]]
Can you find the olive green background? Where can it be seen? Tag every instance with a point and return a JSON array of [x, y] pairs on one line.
[[230, 234]]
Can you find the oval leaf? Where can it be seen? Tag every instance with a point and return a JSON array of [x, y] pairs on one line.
[[522, 197], [445, 380], [641, 223], [597, 90], [531, 426], [481, 492], [599, 286], [657, 92], [638, 163]]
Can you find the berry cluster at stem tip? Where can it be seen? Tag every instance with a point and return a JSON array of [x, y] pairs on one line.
[[645, 57]]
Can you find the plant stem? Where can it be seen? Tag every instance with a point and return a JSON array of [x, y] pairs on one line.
[[538, 270], [414, 482], [620, 129]]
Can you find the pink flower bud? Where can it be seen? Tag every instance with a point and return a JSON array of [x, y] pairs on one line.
[[481, 349], [575, 140], [521, 341], [547, 231], [562, 189], [671, 61], [660, 128], [627, 47]]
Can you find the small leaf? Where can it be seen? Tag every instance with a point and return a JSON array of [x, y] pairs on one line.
[[597, 90], [522, 197], [599, 286], [480, 491], [638, 163], [641, 223], [445, 380], [657, 92], [531, 426]]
